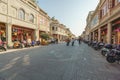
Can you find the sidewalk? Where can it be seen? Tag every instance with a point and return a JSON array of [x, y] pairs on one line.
[[12, 50]]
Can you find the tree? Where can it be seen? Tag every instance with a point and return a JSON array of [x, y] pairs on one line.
[[44, 36]]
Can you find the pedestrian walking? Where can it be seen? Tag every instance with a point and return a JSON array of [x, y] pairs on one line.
[[67, 42], [79, 40], [73, 40], [56, 41]]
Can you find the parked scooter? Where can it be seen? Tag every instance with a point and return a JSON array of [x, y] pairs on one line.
[[38, 42], [33, 43], [89, 43], [17, 44], [3, 46], [114, 55], [93, 43], [106, 49], [99, 46]]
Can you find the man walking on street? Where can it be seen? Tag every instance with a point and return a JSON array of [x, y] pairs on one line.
[[73, 40], [67, 42], [79, 40]]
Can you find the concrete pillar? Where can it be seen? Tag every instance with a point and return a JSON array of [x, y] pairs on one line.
[[93, 35], [59, 37], [99, 34], [109, 33], [9, 34], [36, 36], [90, 36]]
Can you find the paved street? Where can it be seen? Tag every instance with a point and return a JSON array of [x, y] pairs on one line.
[[57, 62]]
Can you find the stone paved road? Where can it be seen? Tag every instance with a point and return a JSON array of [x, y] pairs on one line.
[[57, 62]]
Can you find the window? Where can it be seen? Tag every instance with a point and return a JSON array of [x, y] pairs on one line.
[[118, 0], [104, 10], [53, 28], [113, 3], [56, 28], [31, 18], [21, 14], [41, 20]]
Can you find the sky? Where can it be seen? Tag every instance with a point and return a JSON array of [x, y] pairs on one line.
[[72, 13]]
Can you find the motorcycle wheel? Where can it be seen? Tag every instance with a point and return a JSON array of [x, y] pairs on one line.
[[110, 59], [103, 53], [96, 48], [2, 49]]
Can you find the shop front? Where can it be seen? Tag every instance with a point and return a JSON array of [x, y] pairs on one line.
[[91, 37], [21, 33], [2, 32], [104, 34], [116, 31], [96, 35]]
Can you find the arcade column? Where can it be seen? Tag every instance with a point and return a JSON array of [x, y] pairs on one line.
[[9, 34], [109, 33], [36, 36], [99, 35]]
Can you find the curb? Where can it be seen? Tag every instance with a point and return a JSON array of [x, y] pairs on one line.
[[13, 50]]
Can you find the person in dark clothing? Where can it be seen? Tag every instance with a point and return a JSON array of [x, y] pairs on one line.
[[56, 41], [67, 42], [73, 40], [79, 40]]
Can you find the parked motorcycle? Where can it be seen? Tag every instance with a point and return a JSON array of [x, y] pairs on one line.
[[114, 55], [38, 43], [33, 43], [106, 49], [3, 46], [98, 46], [17, 44], [93, 43], [89, 43]]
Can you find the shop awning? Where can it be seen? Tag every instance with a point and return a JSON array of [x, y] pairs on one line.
[[117, 30]]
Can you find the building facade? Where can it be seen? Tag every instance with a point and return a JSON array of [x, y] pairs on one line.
[[107, 28], [22, 20], [18, 20], [109, 20], [59, 31], [43, 22], [88, 26]]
